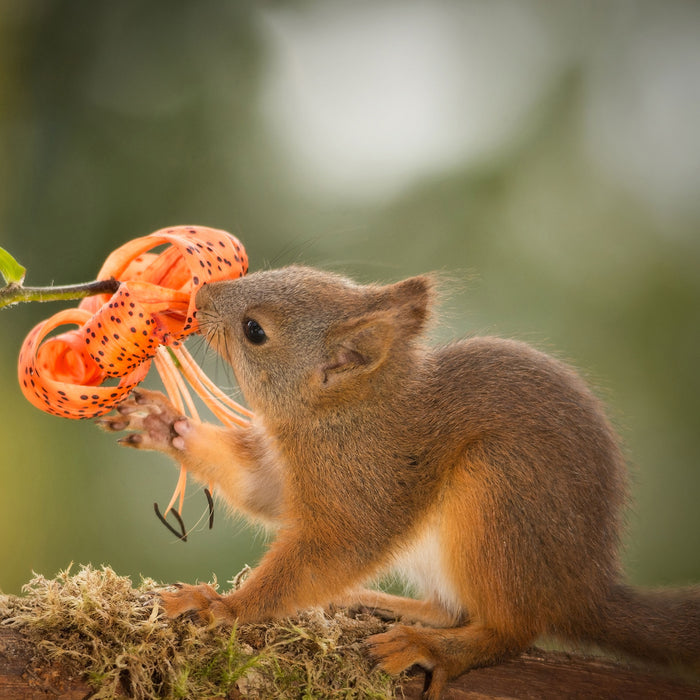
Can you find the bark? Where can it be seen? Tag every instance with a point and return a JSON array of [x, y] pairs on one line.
[[536, 674]]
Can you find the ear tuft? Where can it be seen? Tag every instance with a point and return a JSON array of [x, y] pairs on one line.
[[412, 299]]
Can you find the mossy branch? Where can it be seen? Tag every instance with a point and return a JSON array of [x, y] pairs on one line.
[[14, 293], [90, 633]]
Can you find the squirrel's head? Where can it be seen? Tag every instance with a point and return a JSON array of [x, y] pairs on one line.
[[300, 336]]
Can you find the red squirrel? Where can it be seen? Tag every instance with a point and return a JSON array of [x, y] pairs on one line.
[[485, 471]]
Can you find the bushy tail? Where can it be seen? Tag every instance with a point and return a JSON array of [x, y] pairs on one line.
[[653, 625]]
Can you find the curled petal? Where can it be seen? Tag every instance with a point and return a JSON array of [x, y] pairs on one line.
[[65, 358], [208, 255], [194, 255], [222, 257], [134, 270], [71, 388], [130, 328]]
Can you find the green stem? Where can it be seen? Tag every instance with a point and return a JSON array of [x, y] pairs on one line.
[[14, 293]]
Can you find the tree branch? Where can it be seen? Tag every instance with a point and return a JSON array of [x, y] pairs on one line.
[[535, 674], [14, 293], [92, 631]]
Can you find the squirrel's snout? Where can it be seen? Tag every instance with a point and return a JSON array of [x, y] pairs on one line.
[[216, 298], [201, 301]]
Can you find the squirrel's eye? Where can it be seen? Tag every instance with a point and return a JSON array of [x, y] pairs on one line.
[[254, 331]]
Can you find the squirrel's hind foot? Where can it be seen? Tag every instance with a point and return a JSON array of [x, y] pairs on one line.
[[444, 653], [402, 647]]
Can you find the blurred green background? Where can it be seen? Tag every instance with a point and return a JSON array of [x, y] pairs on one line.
[[544, 156]]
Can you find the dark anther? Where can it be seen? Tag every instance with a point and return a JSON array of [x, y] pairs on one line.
[[427, 680], [182, 534], [210, 501]]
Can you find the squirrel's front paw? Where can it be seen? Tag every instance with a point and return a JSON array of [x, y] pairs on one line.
[[203, 599], [156, 423]]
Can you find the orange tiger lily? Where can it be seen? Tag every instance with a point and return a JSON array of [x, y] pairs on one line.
[[74, 374]]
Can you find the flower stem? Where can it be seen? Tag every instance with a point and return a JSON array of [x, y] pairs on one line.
[[14, 293]]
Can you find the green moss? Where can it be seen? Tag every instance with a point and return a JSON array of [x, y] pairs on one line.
[[97, 625]]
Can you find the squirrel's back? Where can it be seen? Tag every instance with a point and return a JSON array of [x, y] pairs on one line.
[[524, 432]]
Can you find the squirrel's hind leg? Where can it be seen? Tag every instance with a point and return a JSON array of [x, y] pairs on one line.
[[444, 653], [394, 607]]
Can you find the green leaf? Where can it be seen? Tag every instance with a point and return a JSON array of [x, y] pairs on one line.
[[10, 269]]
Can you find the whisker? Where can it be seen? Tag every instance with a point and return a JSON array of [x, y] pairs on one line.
[[292, 252]]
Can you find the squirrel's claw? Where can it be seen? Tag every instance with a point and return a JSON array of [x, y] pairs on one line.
[[112, 425], [133, 440]]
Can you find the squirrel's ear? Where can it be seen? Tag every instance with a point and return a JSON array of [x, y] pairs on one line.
[[358, 346], [411, 300], [394, 313]]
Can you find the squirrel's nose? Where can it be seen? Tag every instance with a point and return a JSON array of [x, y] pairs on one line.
[[203, 298], [215, 297]]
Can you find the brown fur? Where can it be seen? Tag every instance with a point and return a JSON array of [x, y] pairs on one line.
[[485, 470]]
